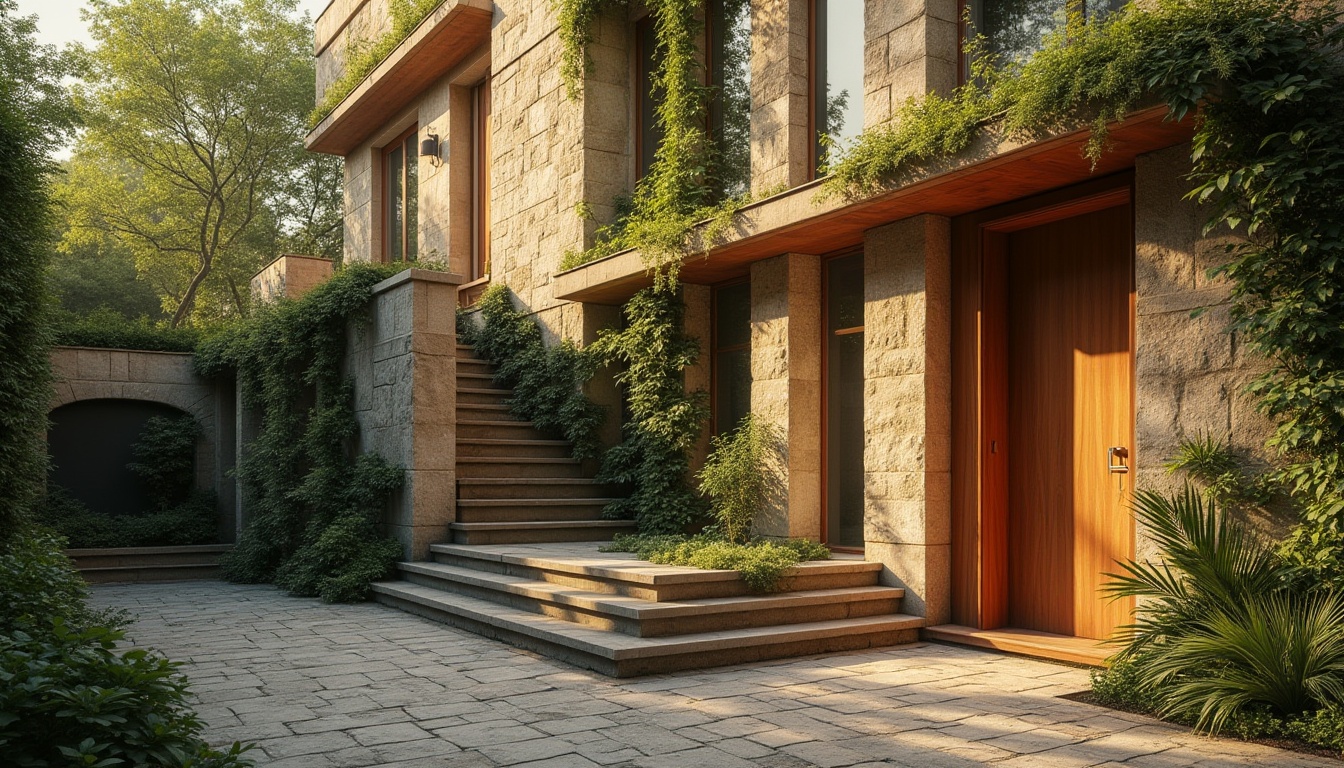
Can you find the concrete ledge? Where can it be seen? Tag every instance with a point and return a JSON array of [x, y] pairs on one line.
[[421, 275]]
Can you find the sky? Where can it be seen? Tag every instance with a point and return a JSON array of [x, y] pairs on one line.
[[58, 21]]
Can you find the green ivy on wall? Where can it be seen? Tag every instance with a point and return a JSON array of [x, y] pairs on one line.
[[314, 504]]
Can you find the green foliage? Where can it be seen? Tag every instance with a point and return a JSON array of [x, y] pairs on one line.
[[165, 457], [94, 272], [190, 521], [71, 698], [740, 476], [547, 382], [652, 352], [32, 116], [1212, 463], [1314, 554], [39, 584], [762, 563], [364, 57], [314, 503], [107, 329]]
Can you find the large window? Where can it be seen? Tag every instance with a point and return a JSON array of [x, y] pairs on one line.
[[648, 130], [842, 346], [1014, 28], [837, 74], [731, 368], [480, 180], [729, 63], [400, 193]]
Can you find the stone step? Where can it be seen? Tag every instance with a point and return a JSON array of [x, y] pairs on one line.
[[122, 574], [533, 488], [529, 510], [148, 557], [467, 351], [483, 396], [472, 447], [620, 573], [645, 618], [474, 365], [620, 655], [498, 429], [538, 532], [487, 466], [484, 411], [482, 379]]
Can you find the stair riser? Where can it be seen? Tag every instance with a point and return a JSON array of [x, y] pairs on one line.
[[474, 365], [535, 536], [484, 412], [537, 450], [529, 604], [481, 398], [468, 468], [522, 514], [150, 573], [467, 490], [477, 380], [521, 430], [661, 592]]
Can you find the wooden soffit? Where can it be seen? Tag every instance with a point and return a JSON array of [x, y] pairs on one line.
[[994, 170], [446, 36]]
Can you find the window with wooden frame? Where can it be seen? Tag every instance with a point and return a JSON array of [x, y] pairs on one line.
[[730, 346], [836, 82], [1013, 29], [648, 130], [400, 198], [842, 386], [480, 180]]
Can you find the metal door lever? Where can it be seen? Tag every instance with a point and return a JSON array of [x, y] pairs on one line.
[[1115, 460]]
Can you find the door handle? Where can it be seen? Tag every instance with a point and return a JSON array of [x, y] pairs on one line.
[[1115, 460]]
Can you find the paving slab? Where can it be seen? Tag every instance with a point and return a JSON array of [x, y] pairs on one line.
[[322, 686]]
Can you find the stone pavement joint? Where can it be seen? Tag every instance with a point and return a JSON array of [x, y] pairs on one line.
[[321, 686]]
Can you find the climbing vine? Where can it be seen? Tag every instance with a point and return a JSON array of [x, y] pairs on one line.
[[314, 503]]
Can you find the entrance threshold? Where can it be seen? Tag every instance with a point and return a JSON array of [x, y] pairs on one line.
[[1027, 642]]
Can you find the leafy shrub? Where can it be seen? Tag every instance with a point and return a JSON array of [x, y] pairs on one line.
[[108, 329], [1211, 462], [39, 584], [740, 476], [547, 382], [70, 698], [192, 521], [165, 458], [761, 563]]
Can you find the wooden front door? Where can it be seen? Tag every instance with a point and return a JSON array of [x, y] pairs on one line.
[[1070, 403], [1043, 391]]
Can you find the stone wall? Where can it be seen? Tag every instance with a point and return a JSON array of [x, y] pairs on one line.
[[342, 24], [404, 367], [907, 409], [291, 275], [781, 140], [910, 49]]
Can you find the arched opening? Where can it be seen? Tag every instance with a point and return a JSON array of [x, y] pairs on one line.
[[91, 443]]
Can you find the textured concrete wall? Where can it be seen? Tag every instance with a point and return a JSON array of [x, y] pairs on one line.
[[781, 140], [907, 406], [910, 48], [290, 275], [404, 366], [1191, 372], [786, 385]]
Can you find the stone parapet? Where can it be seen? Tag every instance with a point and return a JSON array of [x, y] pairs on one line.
[[290, 275]]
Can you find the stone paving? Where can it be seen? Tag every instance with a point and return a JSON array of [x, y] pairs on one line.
[[318, 686]]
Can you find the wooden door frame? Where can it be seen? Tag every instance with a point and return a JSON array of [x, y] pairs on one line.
[[979, 557]]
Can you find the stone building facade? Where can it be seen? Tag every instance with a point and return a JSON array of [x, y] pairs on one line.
[[887, 336]]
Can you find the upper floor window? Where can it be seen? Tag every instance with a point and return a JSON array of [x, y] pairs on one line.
[[837, 74], [400, 198], [480, 180], [648, 129], [729, 65], [1013, 29]]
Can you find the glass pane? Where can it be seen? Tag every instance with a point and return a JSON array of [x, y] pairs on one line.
[[732, 315], [651, 132], [396, 224], [412, 198], [839, 72], [730, 113], [844, 401], [732, 389], [1014, 28]]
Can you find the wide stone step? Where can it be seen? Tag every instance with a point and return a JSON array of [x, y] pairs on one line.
[[620, 655], [522, 466], [619, 573], [474, 365], [529, 510], [472, 447], [538, 532], [467, 351], [498, 429], [483, 395], [645, 618], [533, 488], [477, 378], [485, 411]]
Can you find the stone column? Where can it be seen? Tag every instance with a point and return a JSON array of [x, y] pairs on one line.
[[911, 48], [786, 384], [405, 370], [908, 410], [781, 147]]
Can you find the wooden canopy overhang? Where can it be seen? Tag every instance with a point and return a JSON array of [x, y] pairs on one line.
[[994, 170], [439, 43]]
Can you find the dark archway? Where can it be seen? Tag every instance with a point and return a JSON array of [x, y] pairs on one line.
[[90, 444]]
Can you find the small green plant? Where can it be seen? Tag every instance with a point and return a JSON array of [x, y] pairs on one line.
[[762, 563], [547, 382], [165, 458], [192, 521], [1211, 462], [38, 584], [740, 476]]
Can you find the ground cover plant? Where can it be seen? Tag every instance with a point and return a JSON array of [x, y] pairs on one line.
[[315, 502], [547, 381], [107, 329]]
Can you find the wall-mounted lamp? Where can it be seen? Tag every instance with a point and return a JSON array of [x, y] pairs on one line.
[[429, 147]]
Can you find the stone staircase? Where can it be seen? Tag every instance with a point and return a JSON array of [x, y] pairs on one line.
[[127, 564], [523, 566], [516, 485]]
